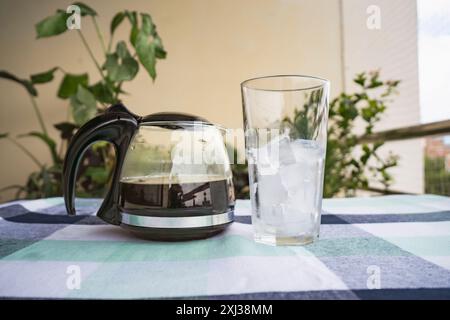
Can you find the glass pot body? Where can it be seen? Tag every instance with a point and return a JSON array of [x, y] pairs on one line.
[[172, 180]]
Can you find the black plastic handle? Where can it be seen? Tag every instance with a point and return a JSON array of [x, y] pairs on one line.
[[118, 126]]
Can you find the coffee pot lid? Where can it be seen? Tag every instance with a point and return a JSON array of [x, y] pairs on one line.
[[157, 117]]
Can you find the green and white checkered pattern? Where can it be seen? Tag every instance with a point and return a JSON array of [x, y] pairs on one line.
[[400, 242]]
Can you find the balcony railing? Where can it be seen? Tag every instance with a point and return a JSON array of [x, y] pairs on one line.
[[411, 132], [406, 133]]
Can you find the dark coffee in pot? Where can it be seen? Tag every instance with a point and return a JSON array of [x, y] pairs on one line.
[[204, 203], [166, 196]]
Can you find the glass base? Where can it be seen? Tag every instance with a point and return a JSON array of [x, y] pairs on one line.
[[276, 240]]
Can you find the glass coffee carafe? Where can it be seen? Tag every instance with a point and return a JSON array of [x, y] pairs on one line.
[[172, 179]]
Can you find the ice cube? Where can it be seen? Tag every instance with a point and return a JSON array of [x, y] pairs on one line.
[[270, 190], [286, 155], [264, 161], [292, 177], [272, 155], [303, 173], [306, 151]]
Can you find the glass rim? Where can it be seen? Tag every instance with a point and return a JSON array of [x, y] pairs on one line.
[[324, 82]]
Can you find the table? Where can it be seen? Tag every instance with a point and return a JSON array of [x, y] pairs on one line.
[[390, 247]]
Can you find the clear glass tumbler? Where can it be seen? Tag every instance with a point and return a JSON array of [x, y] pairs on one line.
[[285, 122]]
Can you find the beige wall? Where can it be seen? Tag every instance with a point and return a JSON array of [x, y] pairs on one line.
[[212, 46]]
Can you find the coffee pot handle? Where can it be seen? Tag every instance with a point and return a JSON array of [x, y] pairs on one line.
[[118, 126]]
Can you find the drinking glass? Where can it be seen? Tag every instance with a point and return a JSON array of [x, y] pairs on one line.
[[285, 122]]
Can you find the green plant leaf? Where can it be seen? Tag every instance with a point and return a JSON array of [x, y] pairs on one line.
[[149, 45], [4, 135], [146, 54], [375, 84], [85, 10], [66, 129], [102, 92], [122, 50], [360, 79], [53, 25], [51, 144], [47, 182], [121, 66], [70, 83], [25, 83], [84, 105], [86, 97], [111, 61], [116, 21], [393, 83], [160, 53], [98, 174], [43, 77], [145, 48], [147, 25], [132, 17]]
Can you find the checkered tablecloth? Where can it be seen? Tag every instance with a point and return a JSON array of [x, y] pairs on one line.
[[386, 247]]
